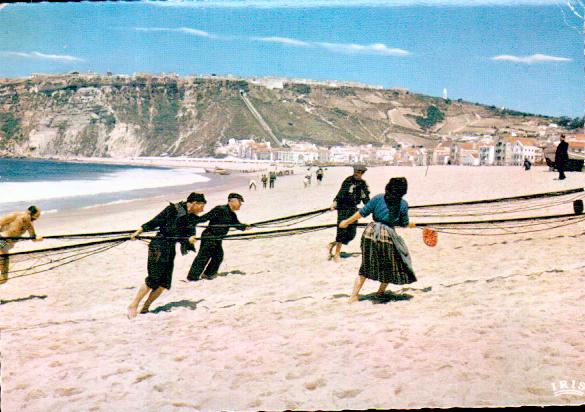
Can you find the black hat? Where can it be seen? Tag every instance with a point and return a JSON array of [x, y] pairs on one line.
[[360, 168], [235, 196], [196, 197]]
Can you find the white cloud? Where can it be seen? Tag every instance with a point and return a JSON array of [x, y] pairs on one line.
[[533, 59], [64, 58], [270, 4], [377, 48], [283, 40], [186, 30]]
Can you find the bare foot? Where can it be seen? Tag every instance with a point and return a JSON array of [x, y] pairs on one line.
[[337, 258], [131, 314], [353, 298], [144, 310], [330, 247]]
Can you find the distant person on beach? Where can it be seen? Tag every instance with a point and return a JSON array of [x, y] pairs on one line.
[[319, 173], [272, 179], [527, 164], [562, 157], [221, 219], [354, 190], [14, 225], [385, 257], [177, 220], [252, 184], [264, 181]]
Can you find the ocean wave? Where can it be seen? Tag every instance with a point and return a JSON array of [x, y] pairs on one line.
[[115, 202], [119, 181]]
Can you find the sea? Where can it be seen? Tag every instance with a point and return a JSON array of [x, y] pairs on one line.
[[55, 186]]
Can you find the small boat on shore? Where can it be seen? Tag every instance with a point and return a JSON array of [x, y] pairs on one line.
[[218, 170]]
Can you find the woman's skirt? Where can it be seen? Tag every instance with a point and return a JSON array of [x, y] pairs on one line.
[[381, 260]]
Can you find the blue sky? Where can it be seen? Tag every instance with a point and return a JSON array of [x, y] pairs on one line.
[[525, 55]]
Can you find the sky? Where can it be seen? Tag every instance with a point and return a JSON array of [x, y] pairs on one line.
[[525, 55]]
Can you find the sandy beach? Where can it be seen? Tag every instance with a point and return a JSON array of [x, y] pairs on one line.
[[492, 321]]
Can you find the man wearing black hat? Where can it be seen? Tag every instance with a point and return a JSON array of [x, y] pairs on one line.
[[177, 220], [354, 190], [221, 219]]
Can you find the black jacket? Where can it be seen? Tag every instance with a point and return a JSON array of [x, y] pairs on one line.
[[224, 218], [352, 193], [175, 221], [562, 155]]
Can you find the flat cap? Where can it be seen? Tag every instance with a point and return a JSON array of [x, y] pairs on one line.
[[360, 168], [196, 197], [235, 196]]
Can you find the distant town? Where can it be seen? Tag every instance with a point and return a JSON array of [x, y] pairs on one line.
[[507, 149]]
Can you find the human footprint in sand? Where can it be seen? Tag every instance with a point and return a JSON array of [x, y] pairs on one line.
[[385, 257], [176, 223]]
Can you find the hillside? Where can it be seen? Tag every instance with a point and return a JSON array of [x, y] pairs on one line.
[[148, 115]]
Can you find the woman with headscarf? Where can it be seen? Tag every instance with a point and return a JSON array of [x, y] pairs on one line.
[[385, 257]]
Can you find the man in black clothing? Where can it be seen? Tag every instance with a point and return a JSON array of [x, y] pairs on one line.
[[177, 220], [272, 179], [319, 173], [354, 190], [221, 219], [561, 157]]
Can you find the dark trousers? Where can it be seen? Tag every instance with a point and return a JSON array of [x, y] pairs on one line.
[[207, 260], [161, 261], [348, 234], [561, 169], [271, 184]]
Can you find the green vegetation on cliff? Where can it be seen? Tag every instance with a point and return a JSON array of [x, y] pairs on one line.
[[156, 114]]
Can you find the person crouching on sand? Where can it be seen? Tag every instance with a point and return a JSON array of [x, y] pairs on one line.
[[14, 225], [385, 257], [175, 221]]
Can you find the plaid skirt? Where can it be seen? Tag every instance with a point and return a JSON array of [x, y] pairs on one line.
[[380, 259]]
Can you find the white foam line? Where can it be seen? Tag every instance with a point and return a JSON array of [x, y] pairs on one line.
[[120, 181]]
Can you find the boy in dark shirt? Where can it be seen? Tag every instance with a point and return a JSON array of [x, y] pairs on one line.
[[354, 190], [221, 219], [176, 220]]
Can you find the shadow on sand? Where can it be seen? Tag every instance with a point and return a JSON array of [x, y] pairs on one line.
[[4, 302], [180, 304], [345, 255], [386, 297]]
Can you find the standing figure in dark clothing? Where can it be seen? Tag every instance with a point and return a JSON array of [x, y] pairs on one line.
[[264, 181], [177, 220], [319, 174], [272, 179], [527, 164], [221, 219], [561, 157], [354, 190]]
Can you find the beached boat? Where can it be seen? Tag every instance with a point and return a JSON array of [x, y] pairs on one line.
[[218, 170]]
